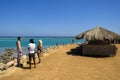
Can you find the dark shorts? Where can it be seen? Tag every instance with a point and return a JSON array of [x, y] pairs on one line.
[[32, 55]]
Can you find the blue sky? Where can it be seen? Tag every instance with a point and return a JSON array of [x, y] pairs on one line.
[[57, 17]]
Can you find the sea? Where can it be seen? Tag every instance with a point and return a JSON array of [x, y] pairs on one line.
[[10, 42]]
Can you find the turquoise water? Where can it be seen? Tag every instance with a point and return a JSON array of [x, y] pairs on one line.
[[10, 43]]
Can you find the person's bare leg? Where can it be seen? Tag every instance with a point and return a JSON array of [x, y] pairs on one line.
[[38, 53], [18, 61], [34, 61]]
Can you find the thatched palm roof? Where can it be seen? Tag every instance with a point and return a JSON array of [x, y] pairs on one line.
[[98, 33]]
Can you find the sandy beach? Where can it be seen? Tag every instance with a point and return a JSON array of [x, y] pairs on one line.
[[61, 66]]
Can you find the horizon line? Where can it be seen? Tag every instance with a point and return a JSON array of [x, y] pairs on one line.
[[36, 36]]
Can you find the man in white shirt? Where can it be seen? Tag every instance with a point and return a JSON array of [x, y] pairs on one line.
[[31, 48]]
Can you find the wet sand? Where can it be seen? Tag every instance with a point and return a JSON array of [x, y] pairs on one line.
[[61, 66]]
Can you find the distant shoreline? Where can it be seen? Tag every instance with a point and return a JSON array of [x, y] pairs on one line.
[[38, 36]]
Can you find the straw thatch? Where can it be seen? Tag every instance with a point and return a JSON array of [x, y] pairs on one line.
[[98, 33]]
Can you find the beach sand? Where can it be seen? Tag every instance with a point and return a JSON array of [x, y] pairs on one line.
[[61, 66]]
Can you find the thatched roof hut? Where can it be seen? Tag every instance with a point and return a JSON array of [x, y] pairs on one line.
[[100, 42], [98, 33]]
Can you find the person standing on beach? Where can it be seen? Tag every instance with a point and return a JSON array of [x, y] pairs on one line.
[[19, 51], [39, 50], [31, 48], [73, 40]]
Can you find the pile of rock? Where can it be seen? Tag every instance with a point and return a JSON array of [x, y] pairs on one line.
[[7, 60], [48, 50], [7, 56], [4, 67]]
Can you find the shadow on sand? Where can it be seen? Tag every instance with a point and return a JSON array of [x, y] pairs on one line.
[[76, 51], [26, 67]]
